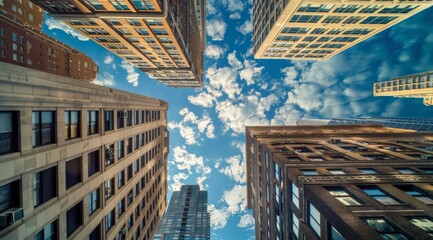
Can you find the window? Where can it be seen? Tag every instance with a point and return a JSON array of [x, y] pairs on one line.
[[74, 218], [121, 207], [398, 9], [129, 118], [109, 154], [130, 198], [416, 193], [336, 172], [378, 20], [92, 122], [45, 185], [93, 166], [368, 171], [73, 172], [109, 188], [343, 196], [295, 195], [136, 117], [93, 201], [142, 117], [314, 218], [129, 172], [120, 119], [315, 7], [295, 225], [109, 120], [136, 142], [120, 149], [48, 232], [305, 18], [129, 145], [405, 170], [136, 166], [385, 230], [109, 221], [10, 195], [130, 222], [120, 179], [336, 235], [425, 223], [43, 128], [379, 195], [96, 233], [309, 172], [72, 124], [8, 132]]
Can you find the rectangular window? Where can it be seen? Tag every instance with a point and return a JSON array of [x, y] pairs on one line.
[[343, 196], [130, 198], [93, 163], [416, 193], [48, 232], [93, 201], [109, 221], [142, 117], [74, 218], [8, 132], [73, 172], [368, 170], [136, 117], [129, 172], [336, 235], [43, 128], [405, 170], [379, 195], [295, 225], [314, 219], [96, 233], [137, 142], [92, 122], [336, 172], [10, 195], [385, 230], [109, 188], [109, 154], [295, 195], [121, 207], [129, 118], [425, 223], [72, 124], [309, 172], [120, 119], [109, 120], [45, 185], [129, 145], [120, 149], [120, 179], [130, 222]]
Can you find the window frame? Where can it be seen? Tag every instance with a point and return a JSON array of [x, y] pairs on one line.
[[68, 126], [40, 128], [91, 121]]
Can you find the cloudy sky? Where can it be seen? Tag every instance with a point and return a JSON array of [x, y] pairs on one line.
[[207, 141]]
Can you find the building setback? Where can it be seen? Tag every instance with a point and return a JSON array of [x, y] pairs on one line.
[[417, 124], [186, 216], [340, 182], [24, 44], [78, 160], [317, 30], [411, 86], [164, 38]]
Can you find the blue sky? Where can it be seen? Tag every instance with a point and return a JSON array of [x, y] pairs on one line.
[[207, 141]]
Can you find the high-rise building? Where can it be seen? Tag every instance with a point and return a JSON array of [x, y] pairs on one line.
[[411, 86], [340, 182], [164, 38], [417, 124], [78, 160], [316, 30], [186, 216], [24, 44]]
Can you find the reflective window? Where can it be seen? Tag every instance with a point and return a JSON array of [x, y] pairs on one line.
[[385, 230], [314, 218], [379, 195], [343, 196], [425, 223]]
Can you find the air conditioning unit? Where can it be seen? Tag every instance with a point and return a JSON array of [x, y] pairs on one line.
[[335, 141], [11, 216]]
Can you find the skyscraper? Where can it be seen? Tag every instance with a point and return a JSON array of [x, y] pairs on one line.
[[340, 182], [78, 160], [164, 38], [186, 217], [23, 43], [317, 30], [417, 124], [410, 86]]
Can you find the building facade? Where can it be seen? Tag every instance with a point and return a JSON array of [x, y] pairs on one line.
[[78, 160], [411, 86], [24, 44], [340, 182], [186, 216], [316, 30], [417, 124], [164, 38]]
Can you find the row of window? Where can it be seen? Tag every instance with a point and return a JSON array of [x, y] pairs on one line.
[[338, 171], [351, 8]]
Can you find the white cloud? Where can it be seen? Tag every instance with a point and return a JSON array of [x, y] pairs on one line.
[[187, 161], [235, 169], [211, 6], [175, 186], [216, 29], [250, 72], [233, 61], [224, 79], [214, 51], [218, 217], [132, 76], [57, 24], [247, 221], [236, 199], [234, 5], [246, 27], [235, 15], [203, 99], [104, 79], [108, 59]]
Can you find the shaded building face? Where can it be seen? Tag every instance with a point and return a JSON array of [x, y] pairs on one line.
[[78, 160], [163, 38], [340, 182], [186, 216], [316, 30]]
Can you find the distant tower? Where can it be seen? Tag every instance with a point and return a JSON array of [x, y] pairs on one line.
[[186, 217], [411, 86], [164, 38], [317, 30]]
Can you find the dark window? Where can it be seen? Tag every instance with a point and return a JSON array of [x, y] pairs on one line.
[[72, 124], [120, 119], [109, 154], [93, 201], [43, 128], [120, 149], [129, 145], [45, 185], [8, 132], [385, 230], [121, 207], [120, 179], [129, 172], [142, 139], [74, 218], [136, 166], [130, 198], [122, 234], [10, 195], [48, 232], [136, 117], [109, 188], [96, 233], [130, 222], [92, 122], [73, 172], [129, 118], [314, 218], [109, 221], [142, 117], [93, 162], [136, 142], [417, 193], [109, 120]]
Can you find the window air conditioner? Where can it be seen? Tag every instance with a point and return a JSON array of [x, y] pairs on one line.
[[11, 216]]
